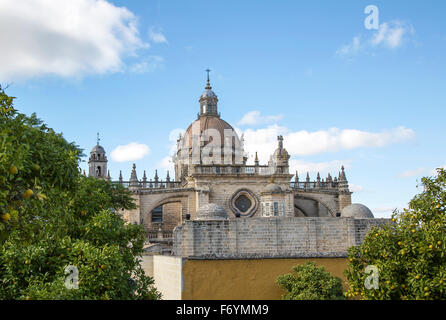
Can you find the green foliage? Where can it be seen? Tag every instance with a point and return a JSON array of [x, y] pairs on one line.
[[409, 253], [309, 282], [51, 217]]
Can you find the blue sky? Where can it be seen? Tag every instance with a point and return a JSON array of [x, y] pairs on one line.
[[373, 100]]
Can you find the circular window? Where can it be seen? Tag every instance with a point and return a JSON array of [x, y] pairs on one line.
[[244, 202]]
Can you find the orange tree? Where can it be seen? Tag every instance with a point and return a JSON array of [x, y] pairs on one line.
[[409, 253], [52, 217], [310, 282]]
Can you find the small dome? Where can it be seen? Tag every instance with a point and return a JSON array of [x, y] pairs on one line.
[[358, 211], [211, 211], [273, 188], [208, 93], [97, 149]]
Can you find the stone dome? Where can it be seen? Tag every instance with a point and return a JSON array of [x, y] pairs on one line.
[[358, 211], [211, 211], [97, 149], [208, 93], [206, 122], [273, 188]]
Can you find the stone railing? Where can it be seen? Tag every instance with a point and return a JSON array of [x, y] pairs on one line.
[[150, 184], [243, 169], [314, 185], [159, 235]]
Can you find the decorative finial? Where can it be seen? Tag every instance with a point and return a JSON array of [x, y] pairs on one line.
[[280, 144], [208, 83], [296, 177], [133, 177], [342, 174], [120, 176], [168, 177], [308, 177], [98, 139]]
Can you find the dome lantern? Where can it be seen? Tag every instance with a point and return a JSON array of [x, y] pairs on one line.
[[208, 100]]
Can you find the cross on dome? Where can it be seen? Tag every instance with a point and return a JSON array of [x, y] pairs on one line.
[[208, 83]]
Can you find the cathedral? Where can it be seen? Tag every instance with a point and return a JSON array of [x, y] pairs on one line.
[[212, 177]]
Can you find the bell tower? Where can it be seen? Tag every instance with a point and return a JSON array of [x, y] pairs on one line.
[[98, 162]]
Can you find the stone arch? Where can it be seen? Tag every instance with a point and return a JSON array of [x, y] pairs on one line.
[[174, 212], [311, 207], [299, 212]]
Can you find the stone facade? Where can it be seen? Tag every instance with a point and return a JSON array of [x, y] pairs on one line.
[[276, 237], [211, 170]]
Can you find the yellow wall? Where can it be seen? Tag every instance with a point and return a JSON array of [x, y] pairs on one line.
[[248, 279]]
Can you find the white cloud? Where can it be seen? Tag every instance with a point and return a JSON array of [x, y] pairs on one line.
[[304, 143], [413, 173], [157, 36], [149, 64], [355, 188], [166, 164], [174, 134], [385, 211], [418, 172], [351, 48], [65, 38], [390, 35], [302, 167], [173, 137], [255, 118], [334, 139], [130, 152]]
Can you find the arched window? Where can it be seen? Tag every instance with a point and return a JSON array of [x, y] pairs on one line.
[[157, 214]]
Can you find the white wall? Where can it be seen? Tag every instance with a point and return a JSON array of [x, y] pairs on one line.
[[167, 273]]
